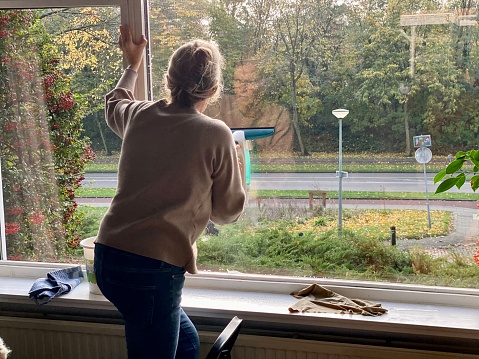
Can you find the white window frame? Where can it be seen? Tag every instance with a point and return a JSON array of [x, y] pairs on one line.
[[134, 13]]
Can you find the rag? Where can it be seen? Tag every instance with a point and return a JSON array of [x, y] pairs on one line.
[[317, 299], [57, 282]]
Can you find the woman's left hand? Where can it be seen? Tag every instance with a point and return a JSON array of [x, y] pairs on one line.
[[133, 52]]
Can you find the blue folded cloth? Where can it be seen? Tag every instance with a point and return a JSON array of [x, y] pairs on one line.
[[57, 282]]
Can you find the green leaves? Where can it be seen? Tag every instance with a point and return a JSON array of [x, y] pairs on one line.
[[447, 175], [455, 166], [446, 185], [474, 158], [475, 182]]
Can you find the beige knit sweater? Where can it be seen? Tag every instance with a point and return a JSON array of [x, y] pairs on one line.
[[178, 168]]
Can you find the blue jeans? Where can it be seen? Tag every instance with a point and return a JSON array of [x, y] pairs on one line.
[[147, 292]]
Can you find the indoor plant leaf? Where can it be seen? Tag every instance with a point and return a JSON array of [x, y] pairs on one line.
[[446, 185]]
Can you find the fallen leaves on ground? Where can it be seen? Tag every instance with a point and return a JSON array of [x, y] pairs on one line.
[[374, 223]]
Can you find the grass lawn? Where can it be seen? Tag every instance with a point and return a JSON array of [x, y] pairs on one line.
[[110, 192], [316, 162], [296, 241]]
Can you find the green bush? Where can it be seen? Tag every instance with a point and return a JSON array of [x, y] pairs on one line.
[[291, 247], [279, 245]]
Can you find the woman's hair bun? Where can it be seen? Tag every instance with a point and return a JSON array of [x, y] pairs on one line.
[[195, 73]]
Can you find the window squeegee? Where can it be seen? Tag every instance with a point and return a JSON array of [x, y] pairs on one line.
[[243, 134]]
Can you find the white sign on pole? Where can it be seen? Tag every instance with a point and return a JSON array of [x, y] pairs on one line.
[[423, 155], [422, 140]]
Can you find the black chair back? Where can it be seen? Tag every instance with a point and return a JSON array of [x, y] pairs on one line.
[[224, 343]]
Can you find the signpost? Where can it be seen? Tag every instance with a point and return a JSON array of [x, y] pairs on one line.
[[424, 155], [340, 113], [422, 141]]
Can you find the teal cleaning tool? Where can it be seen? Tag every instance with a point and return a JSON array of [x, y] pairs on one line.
[[254, 133], [243, 134]]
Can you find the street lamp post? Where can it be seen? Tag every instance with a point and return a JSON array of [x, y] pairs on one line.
[[404, 89], [340, 114]]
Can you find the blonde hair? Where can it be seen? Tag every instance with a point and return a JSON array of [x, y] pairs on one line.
[[194, 73]]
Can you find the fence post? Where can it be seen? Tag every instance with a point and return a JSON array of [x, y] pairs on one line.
[[393, 235]]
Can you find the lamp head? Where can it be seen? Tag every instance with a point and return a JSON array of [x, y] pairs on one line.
[[340, 113]]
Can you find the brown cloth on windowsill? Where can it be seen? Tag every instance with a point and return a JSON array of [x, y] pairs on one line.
[[317, 299]]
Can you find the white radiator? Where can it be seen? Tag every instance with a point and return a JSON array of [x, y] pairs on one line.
[[52, 339]]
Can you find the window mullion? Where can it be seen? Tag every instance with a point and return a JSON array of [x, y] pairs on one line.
[[3, 243], [135, 13]]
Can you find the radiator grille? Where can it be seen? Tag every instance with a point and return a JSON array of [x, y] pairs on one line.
[[54, 339]]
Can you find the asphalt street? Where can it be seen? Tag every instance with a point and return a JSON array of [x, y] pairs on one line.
[[372, 182]]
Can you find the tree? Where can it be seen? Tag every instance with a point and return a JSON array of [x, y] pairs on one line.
[[371, 64], [298, 28], [174, 23], [380, 55], [259, 19], [232, 34], [88, 40]]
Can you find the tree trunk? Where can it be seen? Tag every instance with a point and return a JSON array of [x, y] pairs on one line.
[[105, 146], [406, 127], [295, 116]]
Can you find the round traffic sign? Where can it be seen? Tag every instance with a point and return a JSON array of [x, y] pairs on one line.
[[423, 155]]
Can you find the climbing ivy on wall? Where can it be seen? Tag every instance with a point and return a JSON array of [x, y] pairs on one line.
[[43, 154]]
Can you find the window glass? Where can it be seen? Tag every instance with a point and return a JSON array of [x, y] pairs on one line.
[[289, 64], [56, 66]]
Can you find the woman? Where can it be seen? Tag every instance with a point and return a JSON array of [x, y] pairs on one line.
[[178, 169]]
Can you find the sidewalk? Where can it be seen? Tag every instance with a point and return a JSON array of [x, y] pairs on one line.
[[462, 239]]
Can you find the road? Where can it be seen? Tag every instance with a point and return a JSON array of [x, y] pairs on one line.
[[371, 182]]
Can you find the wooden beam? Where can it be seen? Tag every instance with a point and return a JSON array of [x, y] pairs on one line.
[[427, 19], [440, 18]]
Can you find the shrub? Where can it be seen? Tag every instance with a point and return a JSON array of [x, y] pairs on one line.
[[279, 244]]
